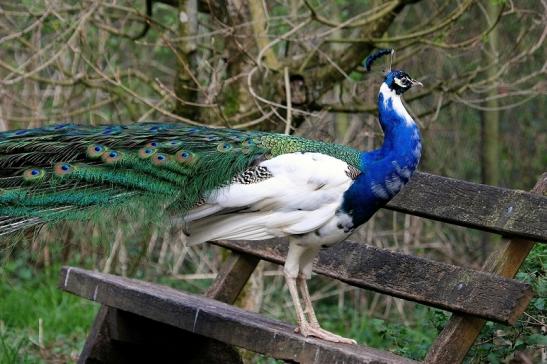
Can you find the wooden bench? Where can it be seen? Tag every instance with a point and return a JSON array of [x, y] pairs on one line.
[[143, 322]]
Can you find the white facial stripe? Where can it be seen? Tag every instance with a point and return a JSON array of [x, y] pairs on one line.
[[399, 82]]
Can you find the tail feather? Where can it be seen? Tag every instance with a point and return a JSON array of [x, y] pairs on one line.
[[10, 225], [70, 172]]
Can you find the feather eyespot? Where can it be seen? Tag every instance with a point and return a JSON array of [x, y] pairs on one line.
[[224, 147], [95, 151], [62, 168], [171, 143], [184, 156], [109, 130], [111, 157], [17, 133], [248, 143], [34, 174], [147, 152], [152, 144], [159, 158], [56, 127]]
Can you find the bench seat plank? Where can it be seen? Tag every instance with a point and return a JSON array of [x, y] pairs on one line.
[[214, 319], [499, 210], [436, 284]]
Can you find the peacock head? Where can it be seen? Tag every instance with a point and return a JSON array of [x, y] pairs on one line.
[[400, 81]]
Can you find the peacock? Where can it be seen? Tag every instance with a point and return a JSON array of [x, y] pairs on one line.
[[223, 183]]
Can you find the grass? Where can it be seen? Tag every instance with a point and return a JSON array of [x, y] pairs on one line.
[[28, 297], [410, 341]]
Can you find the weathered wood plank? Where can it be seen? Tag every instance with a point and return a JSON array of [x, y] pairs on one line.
[[213, 319], [508, 212], [125, 338], [230, 281], [231, 278], [461, 331], [98, 345], [436, 284]]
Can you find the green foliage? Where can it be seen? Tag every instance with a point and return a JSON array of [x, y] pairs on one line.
[[30, 295], [498, 343]]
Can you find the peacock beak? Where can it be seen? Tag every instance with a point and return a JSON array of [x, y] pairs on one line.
[[417, 83]]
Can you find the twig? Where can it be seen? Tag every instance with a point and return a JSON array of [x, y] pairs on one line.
[[288, 123]]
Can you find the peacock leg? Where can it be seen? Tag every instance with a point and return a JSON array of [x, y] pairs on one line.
[[297, 271], [304, 274], [300, 317], [290, 271], [302, 284], [306, 265], [317, 331]]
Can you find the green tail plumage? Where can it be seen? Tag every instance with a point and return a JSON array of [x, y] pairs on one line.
[[72, 172]]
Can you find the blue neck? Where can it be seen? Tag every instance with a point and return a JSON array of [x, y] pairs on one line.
[[387, 169]]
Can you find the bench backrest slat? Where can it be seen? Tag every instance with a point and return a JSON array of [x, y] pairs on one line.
[[489, 208], [436, 284]]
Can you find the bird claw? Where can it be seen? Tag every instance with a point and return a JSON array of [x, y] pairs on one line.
[[323, 334]]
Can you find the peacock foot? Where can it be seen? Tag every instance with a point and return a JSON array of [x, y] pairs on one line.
[[316, 331]]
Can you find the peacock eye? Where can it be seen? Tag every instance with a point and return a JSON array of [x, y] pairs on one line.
[[248, 143], [95, 150], [34, 174], [399, 82], [224, 147], [159, 159], [146, 152], [111, 157], [184, 156], [62, 168]]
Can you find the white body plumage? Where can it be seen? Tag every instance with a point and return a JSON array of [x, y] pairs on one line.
[[300, 198]]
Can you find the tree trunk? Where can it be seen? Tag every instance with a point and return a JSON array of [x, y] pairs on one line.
[[186, 88], [490, 119]]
